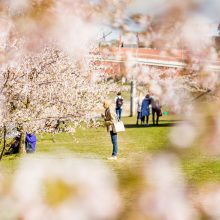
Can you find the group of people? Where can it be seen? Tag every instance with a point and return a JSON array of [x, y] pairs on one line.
[[143, 112], [143, 109], [30, 144]]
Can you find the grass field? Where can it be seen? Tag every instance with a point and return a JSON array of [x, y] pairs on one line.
[[95, 143], [136, 145]]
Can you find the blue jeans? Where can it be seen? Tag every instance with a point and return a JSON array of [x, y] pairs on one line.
[[114, 143], [118, 112], [29, 148]]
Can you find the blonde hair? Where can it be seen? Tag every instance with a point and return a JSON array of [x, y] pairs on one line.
[[106, 103]]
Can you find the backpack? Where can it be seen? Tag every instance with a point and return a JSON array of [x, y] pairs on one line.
[[119, 102]]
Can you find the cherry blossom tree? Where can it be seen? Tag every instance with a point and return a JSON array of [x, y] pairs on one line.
[[48, 92], [47, 82]]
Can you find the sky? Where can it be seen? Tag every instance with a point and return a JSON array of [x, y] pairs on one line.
[[210, 9]]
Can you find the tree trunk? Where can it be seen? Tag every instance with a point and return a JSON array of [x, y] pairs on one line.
[[22, 142], [4, 143], [132, 98]]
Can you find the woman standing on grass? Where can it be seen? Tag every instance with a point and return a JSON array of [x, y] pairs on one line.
[[145, 110], [156, 109], [109, 120]]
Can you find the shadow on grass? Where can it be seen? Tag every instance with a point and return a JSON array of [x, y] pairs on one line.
[[170, 120], [150, 125]]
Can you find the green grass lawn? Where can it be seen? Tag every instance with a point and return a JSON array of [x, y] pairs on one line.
[[136, 145]]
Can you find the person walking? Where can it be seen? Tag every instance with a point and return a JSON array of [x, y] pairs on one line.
[[145, 110], [118, 103], [156, 109], [109, 120]]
